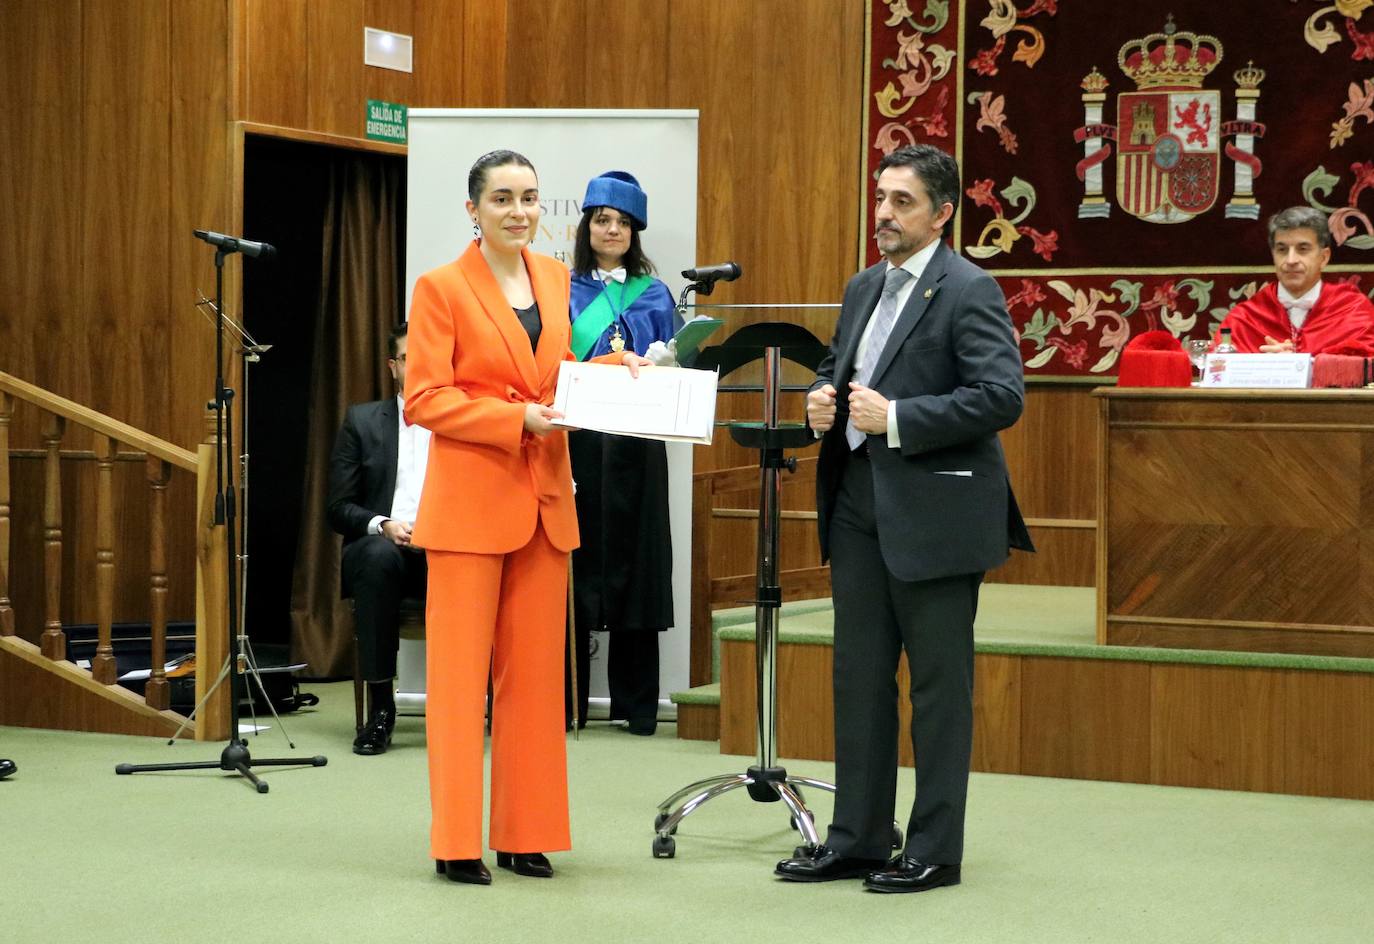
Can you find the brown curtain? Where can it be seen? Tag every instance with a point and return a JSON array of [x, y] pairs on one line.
[[359, 301]]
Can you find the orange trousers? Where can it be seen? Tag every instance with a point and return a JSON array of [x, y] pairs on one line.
[[506, 611]]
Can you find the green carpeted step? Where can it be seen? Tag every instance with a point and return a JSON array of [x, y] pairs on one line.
[[701, 695], [1029, 621]]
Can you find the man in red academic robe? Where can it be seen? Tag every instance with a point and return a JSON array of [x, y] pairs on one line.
[[1301, 313]]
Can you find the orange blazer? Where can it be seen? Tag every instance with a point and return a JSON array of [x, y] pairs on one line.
[[469, 375]]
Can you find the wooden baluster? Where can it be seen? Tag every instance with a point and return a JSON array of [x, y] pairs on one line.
[[6, 611], [54, 641], [157, 694], [212, 597], [103, 665], [699, 645]]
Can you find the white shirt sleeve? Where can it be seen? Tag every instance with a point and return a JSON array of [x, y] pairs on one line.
[[375, 525], [894, 438]]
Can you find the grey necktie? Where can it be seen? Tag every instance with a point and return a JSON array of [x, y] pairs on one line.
[[883, 320]]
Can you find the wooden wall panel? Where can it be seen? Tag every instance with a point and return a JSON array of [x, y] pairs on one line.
[[197, 172], [334, 81], [1064, 557], [1052, 452], [485, 54], [41, 190], [1084, 720], [1328, 734], [274, 65], [125, 134], [441, 59], [1195, 712], [626, 54], [997, 714], [545, 41]]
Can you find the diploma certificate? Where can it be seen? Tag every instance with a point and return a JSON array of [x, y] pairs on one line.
[[674, 404]]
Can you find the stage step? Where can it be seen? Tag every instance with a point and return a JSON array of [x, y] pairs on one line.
[[1050, 702], [698, 712]]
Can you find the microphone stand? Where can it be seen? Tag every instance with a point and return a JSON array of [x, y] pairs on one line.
[[235, 757]]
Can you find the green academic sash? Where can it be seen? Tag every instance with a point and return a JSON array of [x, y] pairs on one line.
[[599, 315]]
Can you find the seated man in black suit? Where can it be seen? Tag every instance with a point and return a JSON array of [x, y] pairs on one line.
[[375, 477]]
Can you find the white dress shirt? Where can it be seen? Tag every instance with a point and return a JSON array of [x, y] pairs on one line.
[[916, 265], [1300, 306], [412, 455]]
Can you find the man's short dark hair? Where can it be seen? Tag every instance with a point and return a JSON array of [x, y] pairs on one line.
[[1300, 217], [938, 172], [394, 338]]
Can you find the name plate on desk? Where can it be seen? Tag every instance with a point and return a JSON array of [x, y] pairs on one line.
[[1281, 371]]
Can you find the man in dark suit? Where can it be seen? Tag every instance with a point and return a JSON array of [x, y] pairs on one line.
[[914, 505], [376, 474]]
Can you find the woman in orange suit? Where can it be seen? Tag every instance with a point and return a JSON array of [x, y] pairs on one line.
[[497, 521]]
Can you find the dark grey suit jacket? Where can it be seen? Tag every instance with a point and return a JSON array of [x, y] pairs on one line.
[[954, 368], [362, 468]]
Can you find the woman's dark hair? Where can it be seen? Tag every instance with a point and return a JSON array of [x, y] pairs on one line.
[[481, 170], [584, 260]]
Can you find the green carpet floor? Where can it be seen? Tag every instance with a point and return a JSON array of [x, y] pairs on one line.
[[338, 854]]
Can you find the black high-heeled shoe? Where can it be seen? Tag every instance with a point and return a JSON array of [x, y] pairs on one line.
[[469, 871], [533, 864]]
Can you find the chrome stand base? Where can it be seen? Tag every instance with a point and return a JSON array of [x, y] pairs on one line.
[[766, 785]]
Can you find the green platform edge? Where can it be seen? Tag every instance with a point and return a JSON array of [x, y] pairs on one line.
[[808, 623]]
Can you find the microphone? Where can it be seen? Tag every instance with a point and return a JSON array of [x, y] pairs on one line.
[[230, 244], [725, 272]]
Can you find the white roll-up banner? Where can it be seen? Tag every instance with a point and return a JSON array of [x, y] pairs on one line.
[[568, 147]]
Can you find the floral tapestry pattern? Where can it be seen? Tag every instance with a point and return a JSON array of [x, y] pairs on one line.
[[1120, 161]]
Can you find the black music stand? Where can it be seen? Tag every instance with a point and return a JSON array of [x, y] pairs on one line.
[[766, 781]]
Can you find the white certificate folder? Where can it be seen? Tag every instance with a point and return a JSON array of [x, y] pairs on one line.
[[674, 404]]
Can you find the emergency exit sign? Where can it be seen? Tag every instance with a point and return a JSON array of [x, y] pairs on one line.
[[386, 121]]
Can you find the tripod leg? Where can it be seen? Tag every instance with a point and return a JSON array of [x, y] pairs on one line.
[[256, 675], [149, 768], [316, 761], [223, 674], [245, 771], [810, 782]]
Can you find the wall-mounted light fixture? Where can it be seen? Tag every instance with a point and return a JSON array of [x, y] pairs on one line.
[[388, 50]]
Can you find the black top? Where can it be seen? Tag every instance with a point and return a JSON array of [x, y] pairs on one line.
[[530, 321]]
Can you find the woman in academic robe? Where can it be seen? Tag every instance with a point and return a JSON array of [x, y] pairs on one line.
[[497, 521], [622, 579]]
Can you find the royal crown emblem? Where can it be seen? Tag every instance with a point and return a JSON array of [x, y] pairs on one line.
[[1169, 132]]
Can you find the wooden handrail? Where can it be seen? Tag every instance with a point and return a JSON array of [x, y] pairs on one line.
[[99, 422]]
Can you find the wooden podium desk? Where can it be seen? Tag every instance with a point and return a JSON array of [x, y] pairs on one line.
[[1236, 519]]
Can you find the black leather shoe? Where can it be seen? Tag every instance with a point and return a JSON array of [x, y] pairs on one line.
[[469, 871], [533, 864], [825, 865], [375, 736], [904, 874], [7, 767]]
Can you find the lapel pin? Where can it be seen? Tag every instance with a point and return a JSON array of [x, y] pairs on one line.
[[929, 292]]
